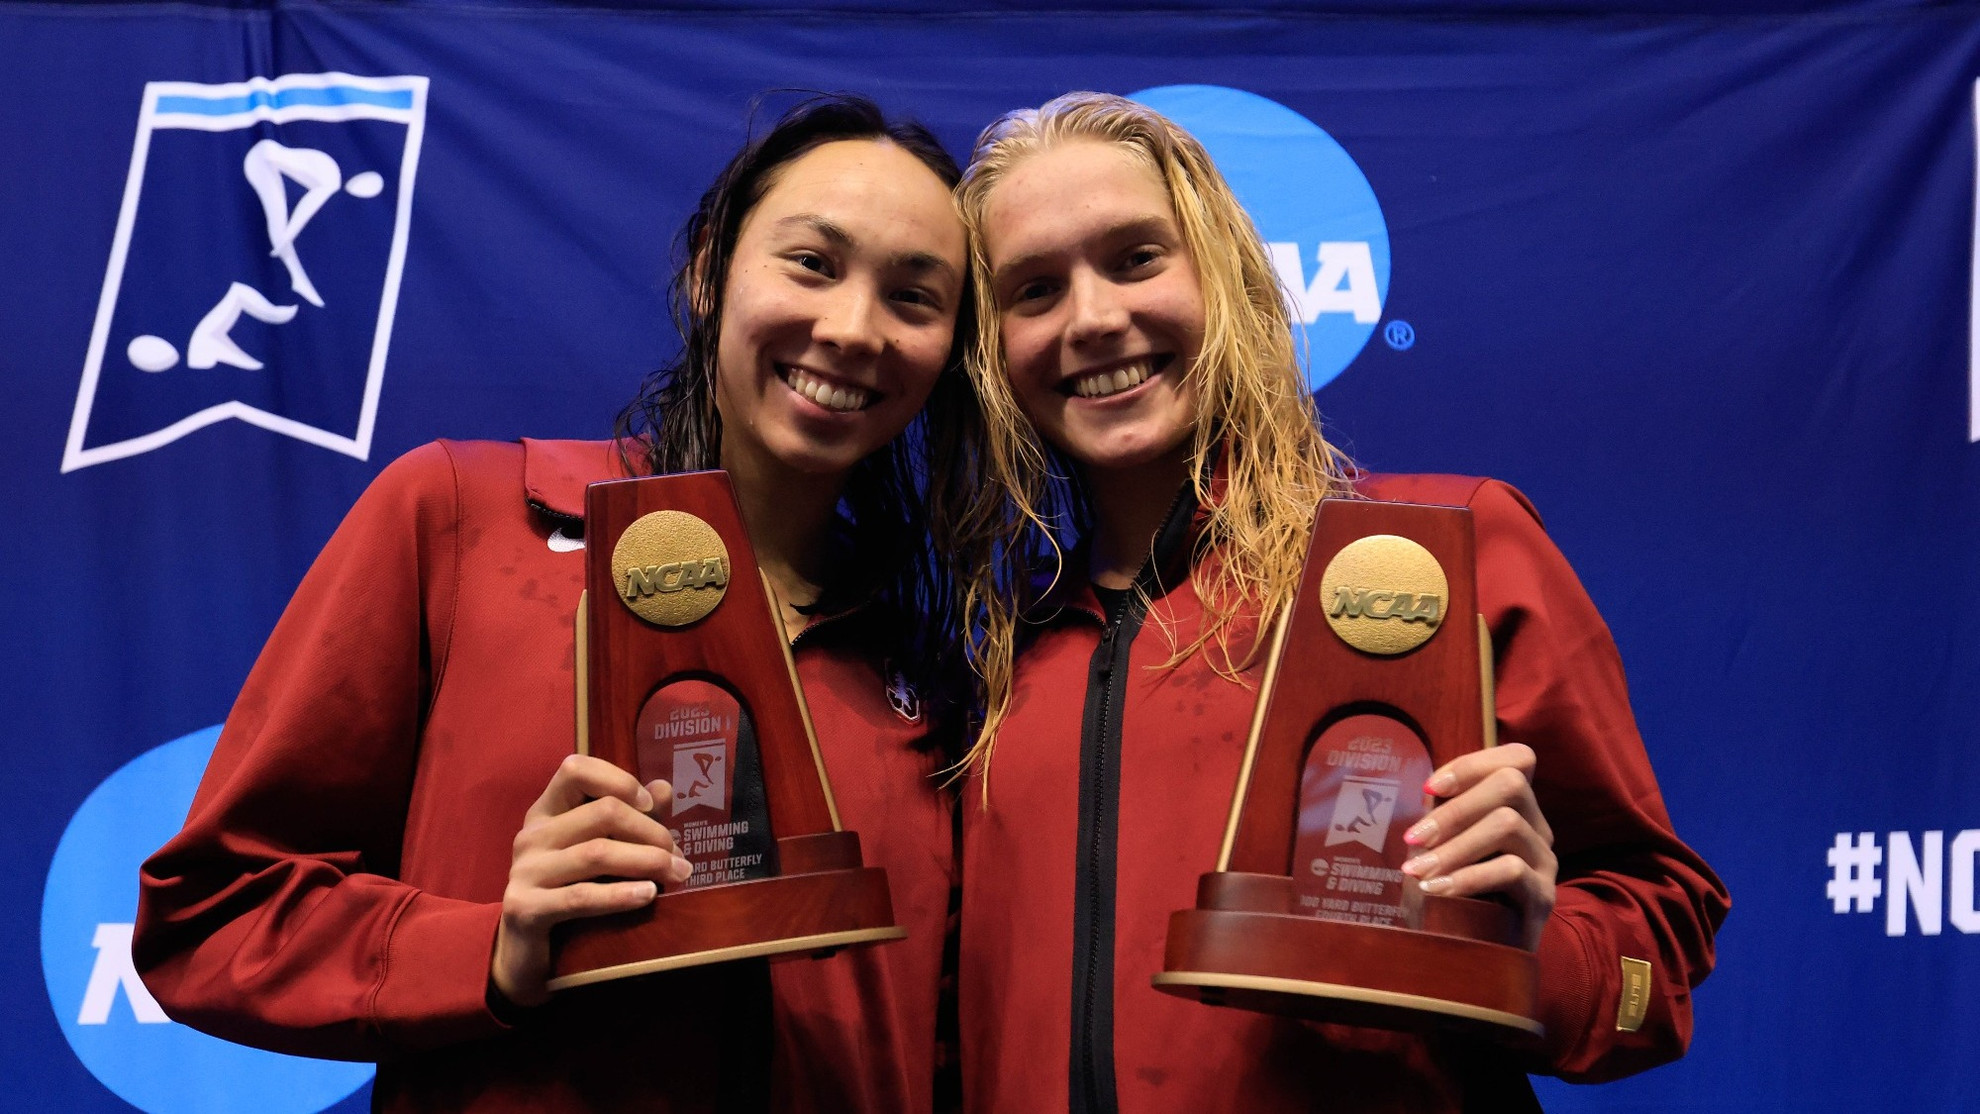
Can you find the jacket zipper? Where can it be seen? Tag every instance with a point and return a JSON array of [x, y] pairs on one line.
[[1092, 1089]]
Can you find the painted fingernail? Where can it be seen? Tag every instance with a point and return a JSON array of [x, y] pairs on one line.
[[1436, 885], [1440, 784], [1424, 833], [1420, 866]]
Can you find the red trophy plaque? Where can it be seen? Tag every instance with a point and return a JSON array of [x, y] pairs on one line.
[[1380, 672], [684, 674]]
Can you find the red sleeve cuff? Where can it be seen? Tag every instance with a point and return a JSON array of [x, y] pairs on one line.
[[1568, 988], [434, 990]]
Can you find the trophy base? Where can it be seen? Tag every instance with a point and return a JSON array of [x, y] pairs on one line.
[[1353, 974], [827, 901]]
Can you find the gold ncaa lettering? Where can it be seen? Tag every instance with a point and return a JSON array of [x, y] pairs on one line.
[[672, 568], [1406, 606], [675, 576], [1384, 594]]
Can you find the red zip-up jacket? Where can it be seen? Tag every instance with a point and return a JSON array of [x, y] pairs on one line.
[[336, 889], [1109, 789]]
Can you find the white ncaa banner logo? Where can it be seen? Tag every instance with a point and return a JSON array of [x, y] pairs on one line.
[[255, 269]]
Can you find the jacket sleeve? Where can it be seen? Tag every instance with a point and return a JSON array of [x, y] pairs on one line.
[[1628, 888], [274, 917]]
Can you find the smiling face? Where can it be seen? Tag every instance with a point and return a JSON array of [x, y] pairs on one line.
[[838, 310], [1098, 304]]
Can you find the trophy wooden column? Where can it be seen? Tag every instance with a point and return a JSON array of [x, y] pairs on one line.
[[684, 673], [1380, 673]]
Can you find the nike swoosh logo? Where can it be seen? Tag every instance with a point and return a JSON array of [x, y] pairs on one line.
[[561, 542]]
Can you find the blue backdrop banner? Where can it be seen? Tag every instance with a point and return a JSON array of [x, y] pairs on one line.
[[1700, 284]]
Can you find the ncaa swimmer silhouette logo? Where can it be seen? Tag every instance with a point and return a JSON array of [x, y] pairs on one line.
[[255, 269], [1314, 207], [111, 1021]]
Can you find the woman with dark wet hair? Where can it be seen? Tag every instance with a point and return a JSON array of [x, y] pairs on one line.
[[394, 818]]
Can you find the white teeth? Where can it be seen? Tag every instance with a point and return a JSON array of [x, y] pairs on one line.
[[1100, 384], [831, 397]]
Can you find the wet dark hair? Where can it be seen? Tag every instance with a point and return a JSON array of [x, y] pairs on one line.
[[885, 529]]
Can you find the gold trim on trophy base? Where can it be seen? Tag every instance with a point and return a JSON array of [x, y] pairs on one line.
[[828, 901], [1237, 948], [823, 941], [1217, 981]]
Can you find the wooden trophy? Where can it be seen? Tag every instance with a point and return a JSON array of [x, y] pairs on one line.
[[684, 674], [1380, 672]]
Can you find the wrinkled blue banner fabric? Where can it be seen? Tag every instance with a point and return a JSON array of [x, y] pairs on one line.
[[1700, 284]]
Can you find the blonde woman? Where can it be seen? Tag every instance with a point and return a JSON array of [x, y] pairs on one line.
[[1160, 456]]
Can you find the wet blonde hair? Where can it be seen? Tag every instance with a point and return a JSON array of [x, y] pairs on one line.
[[1267, 482]]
